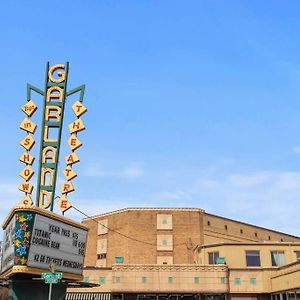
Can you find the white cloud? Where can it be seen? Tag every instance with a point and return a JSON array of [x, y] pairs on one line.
[[132, 171], [208, 183], [288, 180], [215, 167], [265, 198], [249, 180], [297, 149], [10, 197], [96, 206], [174, 195]]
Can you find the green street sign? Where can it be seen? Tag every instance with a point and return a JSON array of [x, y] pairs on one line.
[[51, 280], [51, 277]]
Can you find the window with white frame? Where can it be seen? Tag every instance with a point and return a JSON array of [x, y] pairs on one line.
[[277, 258]]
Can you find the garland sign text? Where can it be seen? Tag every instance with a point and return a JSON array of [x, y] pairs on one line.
[[55, 95]]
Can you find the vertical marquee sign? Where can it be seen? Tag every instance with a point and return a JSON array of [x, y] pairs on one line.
[[34, 236], [55, 95]]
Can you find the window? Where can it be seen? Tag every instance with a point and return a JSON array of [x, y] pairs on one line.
[[255, 234], [102, 280], [101, 246], [237, 281], [117, 279], [208, 223], [164, 242], [170, 279], [297, 255], [277, 258], [253, 281], [269, 238], [101, 256], [252, 258], [164, 222], [225, 226], [212, 257], [196, 280], [102, 226], [241, 231], [222, 280], [86, 279], [119, 259], [220, 261], [144, 279], [284, 296]]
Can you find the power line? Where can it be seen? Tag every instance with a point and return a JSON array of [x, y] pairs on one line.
[[120, 233]]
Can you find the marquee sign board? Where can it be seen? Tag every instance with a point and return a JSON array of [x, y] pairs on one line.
[[8, 245], [58, 242], [34, 238]]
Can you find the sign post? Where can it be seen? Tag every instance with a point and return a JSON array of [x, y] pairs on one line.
[[50, 291], [51, 278]]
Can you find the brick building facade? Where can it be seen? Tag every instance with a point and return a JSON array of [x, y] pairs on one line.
[[158, 253]]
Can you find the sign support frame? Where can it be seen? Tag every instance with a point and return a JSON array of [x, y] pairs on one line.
[[59, 125]]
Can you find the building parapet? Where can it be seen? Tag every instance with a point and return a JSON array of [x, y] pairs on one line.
[[144, 209]]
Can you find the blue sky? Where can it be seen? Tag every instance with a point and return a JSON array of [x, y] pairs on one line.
[[191, 103]]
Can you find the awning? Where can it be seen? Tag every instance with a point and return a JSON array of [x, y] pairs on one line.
[[87, 296]]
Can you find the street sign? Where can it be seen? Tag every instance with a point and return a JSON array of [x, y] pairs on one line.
[[51, 280], [47, 276]]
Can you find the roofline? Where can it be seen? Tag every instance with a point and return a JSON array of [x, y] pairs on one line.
[[145, 208], [185, 209], [266, 243], [256, 226]]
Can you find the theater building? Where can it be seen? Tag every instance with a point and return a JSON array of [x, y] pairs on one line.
[[186, 253]]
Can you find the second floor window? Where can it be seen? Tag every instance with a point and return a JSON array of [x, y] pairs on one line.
[[252, 258], [101, 256], [297, 255], [102, 280], [144, 279], [277, 258], [119, 259], [86, 279], [212, 257]]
